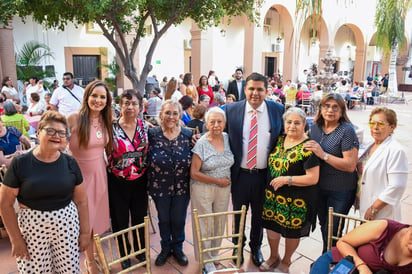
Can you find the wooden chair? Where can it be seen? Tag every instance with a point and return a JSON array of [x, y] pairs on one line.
[[111, 256], [225, 231], [345, 224], [306, 104]]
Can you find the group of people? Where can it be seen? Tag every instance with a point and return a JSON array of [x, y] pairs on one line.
[[252, 152]]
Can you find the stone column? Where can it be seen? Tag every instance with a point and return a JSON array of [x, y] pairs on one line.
[[252, 52], [202, 52], [359, 71], [7, 59]]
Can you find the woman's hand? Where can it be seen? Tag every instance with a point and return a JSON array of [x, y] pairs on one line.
[[315, 148], [364, 269], [223, 182], [84, 241], [19, 249], [279, 182]]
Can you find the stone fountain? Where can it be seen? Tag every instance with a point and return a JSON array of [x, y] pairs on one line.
[[326, 77]]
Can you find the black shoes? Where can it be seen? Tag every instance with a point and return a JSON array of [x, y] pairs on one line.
[[141, 257], [180, 257], [241, 256], [257, 257], [162, 258], [126, 264]]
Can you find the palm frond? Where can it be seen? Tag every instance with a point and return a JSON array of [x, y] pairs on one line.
[[32, 53]]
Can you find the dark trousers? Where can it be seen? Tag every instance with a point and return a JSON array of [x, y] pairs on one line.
[[249, 190], [171, 212], [128, 205], [341, 201]]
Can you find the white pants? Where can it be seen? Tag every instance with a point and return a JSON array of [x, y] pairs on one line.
[[209, 198], [52, 240]]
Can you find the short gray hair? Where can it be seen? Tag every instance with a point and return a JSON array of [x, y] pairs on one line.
[[204, 97], [9, 108], [296, 110], [215, 110]]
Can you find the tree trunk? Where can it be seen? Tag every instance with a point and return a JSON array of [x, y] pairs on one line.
[[393, 82]]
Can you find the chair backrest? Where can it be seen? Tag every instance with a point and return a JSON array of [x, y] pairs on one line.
[[345, 224], [195, 130], [219, 226], [3, 170], [108, 248]]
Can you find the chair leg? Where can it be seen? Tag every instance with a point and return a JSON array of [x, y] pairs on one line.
[[149, 213]]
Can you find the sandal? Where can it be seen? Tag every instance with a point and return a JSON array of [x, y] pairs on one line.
[[266, 267], [283, 267]]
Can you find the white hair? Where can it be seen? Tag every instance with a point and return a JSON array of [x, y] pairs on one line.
[[215, 110]]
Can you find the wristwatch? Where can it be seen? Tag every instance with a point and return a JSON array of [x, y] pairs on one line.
[[325, 157]]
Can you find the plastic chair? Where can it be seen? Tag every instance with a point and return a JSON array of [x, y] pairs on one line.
[[306, 104], [225, 232], [112, 257], [345, 224], [3, 170]]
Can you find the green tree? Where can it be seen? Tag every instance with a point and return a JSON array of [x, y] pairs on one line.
[[390, 32], [119, 18]]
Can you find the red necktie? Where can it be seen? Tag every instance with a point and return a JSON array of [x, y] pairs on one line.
[[252, 145]]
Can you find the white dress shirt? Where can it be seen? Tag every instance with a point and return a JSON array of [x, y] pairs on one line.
[[263, 135], [239, 88]]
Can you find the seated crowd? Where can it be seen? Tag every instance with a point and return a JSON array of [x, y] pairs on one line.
[[206, 146]]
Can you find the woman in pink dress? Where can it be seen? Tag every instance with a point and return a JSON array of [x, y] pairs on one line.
[[91, 133]]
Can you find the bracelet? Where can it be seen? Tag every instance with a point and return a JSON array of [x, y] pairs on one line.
[[373, 210], [358, 265], [290, 181]]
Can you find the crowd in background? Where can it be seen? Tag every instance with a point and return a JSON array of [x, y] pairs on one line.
[[253, 146]]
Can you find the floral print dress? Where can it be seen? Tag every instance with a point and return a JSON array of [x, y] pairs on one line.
[[291, 210]]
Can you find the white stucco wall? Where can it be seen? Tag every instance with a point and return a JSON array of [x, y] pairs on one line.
[[57, 40]]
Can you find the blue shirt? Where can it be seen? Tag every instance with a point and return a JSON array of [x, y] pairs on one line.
[[10, 140]]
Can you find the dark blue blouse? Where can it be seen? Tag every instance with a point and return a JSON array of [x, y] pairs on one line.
[[169, 163], [343, 138], [9, 141]]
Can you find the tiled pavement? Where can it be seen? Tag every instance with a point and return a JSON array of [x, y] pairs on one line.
[[309, 248]]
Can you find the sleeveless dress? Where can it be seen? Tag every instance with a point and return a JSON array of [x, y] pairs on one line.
[[93, 168]]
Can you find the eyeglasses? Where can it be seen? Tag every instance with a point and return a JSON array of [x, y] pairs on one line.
[[380, 124], [128, 103], [66, 78], [334, 108], [52, 132]]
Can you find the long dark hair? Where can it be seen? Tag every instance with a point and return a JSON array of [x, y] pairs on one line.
[[84, 119], [341, 103]]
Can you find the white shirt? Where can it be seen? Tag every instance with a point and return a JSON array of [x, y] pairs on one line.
[[31, 89], [263, 135], [176, 95], [12, 91], [65, 102], [239, 88]]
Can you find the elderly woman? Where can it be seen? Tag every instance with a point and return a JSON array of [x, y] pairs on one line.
[[52, 224], [91, 129], [169, 159], [12, 117], [291, 193], [334, 141], [127, 170], [382, 246], [384, 169], [210, 173]]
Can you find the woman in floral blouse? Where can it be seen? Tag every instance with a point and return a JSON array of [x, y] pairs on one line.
[[169, 159], [126, 175]]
